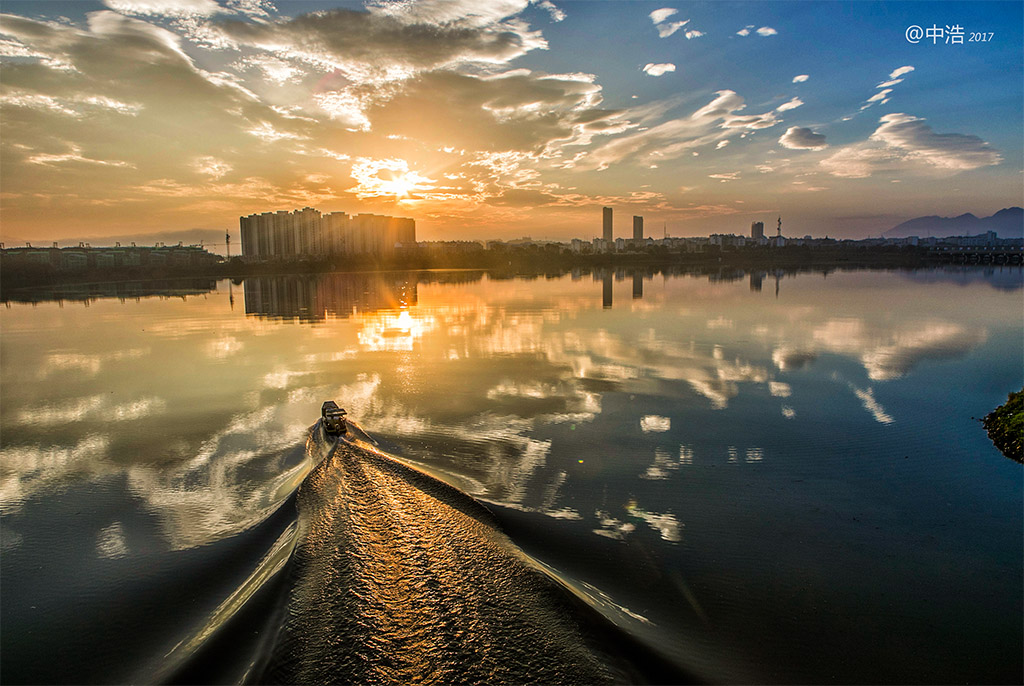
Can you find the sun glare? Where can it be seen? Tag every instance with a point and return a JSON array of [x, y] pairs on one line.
[[389, 179]]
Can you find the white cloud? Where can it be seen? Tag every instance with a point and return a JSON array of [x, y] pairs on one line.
[[693, 34], [886, 84], [666, 30], [395, 41], [711, 123], [791, 105], [797, 138], [74, 156], [722, 144], [658, 16], [745, 31], [861, 160], [904, 142], [726, 176], [166, 8], [211, 166], [556, 13], [951, 151], [800, 78], [658, 69], [766, 31], [896, 73], [465, 13]]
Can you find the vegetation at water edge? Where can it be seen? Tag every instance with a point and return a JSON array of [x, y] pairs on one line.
[[1005, 426]]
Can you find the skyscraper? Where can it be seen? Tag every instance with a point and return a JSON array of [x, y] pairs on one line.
[[757, 230], [608, 226], [638, 228]]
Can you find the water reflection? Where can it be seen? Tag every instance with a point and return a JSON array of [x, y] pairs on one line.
[[675, 413], [316, 297]]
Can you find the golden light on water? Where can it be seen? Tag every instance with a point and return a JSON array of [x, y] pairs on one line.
[[394, 331]]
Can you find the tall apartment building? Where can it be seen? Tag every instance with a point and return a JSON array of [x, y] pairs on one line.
[[307, 233], [757, 230], [607, 212], [638, 228]]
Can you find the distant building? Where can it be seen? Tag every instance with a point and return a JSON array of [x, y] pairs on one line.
[[607, 235], [307, 233], [86, 257], [757, 230], [638, 228]]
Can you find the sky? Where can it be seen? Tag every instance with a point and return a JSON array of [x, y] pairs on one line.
[[507, 118]]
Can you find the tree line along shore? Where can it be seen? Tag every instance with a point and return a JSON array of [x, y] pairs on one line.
[[530, 259]]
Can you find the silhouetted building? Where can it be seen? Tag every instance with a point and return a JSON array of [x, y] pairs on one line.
[[757, 230], [638, 228], [307, 233], [607, 235]]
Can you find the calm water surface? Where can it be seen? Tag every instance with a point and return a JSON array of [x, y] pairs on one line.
[[758, 478]]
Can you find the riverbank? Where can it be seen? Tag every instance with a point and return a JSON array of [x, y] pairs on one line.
[[505, 261], [1005, 426]]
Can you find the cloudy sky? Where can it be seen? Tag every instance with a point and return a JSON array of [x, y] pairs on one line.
[[508, 117]]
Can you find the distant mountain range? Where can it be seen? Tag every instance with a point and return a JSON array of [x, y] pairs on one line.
[[1007, 223]]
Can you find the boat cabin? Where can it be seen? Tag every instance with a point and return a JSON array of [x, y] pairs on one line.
[[333, 418]]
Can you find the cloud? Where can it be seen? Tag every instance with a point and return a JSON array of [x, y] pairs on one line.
[[166, 8], [881, 96], [75, 156], [722, 144], [211, 166], [390, 44], [885, 88], [800, 78], [952, 151], [467, 13], [658, 69], [791, 105], [666, 30], [766, 31], [709, 124], [905, 142], [726, 176], [658, 16], [861, 160], [798, 138], [745, 31], [556, 13]]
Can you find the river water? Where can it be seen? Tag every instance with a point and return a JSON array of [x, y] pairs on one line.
[[609, 476]]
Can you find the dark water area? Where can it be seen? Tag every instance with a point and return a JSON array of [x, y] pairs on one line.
[[597, 477]]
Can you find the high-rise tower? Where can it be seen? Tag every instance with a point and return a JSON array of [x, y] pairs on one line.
[[638, 228], [607, 211]]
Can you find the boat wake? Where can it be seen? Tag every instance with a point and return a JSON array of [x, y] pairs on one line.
[[390, 575]]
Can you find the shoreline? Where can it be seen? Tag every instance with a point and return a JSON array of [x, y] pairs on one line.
[[524, 261]]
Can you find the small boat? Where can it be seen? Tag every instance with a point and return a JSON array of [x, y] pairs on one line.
[[333, 418]]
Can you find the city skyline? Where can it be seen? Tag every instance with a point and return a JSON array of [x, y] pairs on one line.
[[149, 116]]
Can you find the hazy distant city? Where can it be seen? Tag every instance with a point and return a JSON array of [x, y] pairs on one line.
[[307, 235]]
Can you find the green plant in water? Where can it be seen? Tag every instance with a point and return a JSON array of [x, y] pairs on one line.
[[1005, 426]]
